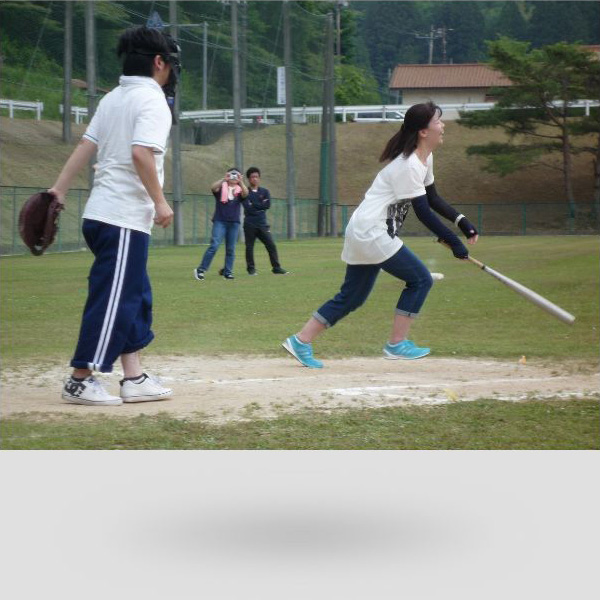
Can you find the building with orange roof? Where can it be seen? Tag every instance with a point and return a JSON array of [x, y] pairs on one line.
[[445, 84]]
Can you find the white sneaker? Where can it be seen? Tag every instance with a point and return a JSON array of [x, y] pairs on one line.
[[145, 390], [89, 391]]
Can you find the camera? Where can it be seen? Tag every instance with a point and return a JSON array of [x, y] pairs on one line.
[[234, 176]]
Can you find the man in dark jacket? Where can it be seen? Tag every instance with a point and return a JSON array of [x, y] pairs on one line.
[[256, 203]]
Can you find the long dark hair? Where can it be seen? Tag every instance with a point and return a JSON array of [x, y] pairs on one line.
[[405, 140], [139, 45]]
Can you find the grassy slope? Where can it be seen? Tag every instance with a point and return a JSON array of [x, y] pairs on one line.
[[468, 314], [33, 155]]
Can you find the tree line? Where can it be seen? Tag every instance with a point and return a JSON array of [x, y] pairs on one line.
[[536, 44], [373, 38]]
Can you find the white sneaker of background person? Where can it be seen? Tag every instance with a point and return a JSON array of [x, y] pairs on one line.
[[88, 391], [144, 388]]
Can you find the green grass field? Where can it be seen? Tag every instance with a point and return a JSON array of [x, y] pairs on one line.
[[480, 425], [469, 314]]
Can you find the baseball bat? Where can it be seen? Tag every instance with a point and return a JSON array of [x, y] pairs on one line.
[[535, 298]]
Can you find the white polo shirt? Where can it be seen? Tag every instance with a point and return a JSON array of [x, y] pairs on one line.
[[371, 234], [134, 113]]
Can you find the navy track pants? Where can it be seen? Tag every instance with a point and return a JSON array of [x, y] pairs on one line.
[[117, 317]]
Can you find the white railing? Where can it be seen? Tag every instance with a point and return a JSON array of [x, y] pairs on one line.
[[13, 105], [305, 113], [80, 113], [300, 114]]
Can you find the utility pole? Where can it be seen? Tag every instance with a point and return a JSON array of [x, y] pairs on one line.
[[289, 133], [243, 53], [90, 58], [443, 32], [431, 38], [176, 174], [338, 27], [68, 72], [322, 228], [332, 168], [205, 68], [237, 105]]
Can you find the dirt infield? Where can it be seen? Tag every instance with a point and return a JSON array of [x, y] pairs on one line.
[[234, 387]]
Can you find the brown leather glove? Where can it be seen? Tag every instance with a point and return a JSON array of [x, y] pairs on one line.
[[38, 221]]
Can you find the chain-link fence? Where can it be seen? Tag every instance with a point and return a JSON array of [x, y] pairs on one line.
[[490, 219]]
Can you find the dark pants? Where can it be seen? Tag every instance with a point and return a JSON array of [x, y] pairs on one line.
[[360, 280], [117, 317], [251, 232]]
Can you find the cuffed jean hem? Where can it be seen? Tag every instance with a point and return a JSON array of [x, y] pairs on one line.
[[405, 313], [321, 319]]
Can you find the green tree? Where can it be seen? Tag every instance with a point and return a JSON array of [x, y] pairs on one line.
[[511, 21], [534, 110], [355, 86], [553, 22], [465, 31], [388, 29]]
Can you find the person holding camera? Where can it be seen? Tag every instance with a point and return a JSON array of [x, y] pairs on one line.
[[255, 206], [229, 193]]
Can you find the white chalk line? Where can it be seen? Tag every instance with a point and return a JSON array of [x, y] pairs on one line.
[[416, 386], [234, 381], [435, 400], [345, 376]]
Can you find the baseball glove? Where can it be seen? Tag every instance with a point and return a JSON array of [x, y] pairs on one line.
[[38, 221]]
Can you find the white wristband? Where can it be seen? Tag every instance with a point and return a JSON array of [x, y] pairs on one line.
[[458, 219]]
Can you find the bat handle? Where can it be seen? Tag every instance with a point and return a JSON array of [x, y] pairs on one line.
[[469, 258], [476, 262]]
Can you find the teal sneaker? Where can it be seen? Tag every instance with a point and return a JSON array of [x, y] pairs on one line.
[[302, 352], [405, 350]]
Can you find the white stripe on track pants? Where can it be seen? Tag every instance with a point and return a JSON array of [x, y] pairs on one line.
[[117, 317]]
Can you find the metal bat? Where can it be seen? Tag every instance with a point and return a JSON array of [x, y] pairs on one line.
[[550, 307], [553, 309]]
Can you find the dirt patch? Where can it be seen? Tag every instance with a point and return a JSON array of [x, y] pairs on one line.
[[234, 387]]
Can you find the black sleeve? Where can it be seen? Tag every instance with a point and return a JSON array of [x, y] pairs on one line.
[[440, 206], [267, 204], [424, 214], [449, 212]]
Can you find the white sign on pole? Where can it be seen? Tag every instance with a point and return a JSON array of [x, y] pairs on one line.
[[280, 85]]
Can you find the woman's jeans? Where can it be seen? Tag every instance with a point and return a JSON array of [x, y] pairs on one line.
[[360, 280], [222, 230]]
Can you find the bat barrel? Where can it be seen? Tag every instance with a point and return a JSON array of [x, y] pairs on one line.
[[533, 297]]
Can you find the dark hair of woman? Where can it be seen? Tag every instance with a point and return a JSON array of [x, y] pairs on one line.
[[404, 142], [140, 45]]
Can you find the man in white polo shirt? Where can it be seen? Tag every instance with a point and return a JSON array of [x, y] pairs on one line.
[[129, 131]]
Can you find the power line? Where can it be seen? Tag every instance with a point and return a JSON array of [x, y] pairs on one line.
[[212, 64], [304, 10]]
